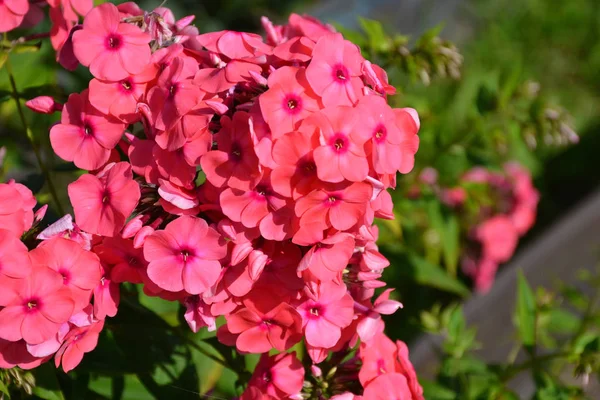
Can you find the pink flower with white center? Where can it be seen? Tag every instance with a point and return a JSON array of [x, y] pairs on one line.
[[80, 269], [112, 50], [342, 153], [185, 256], [334, 71], [41, 306], [326, 311], [340, 206], [85, 136], [288, 101], [103, 203]]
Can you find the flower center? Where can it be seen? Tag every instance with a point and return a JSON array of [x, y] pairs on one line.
[[173, 89], [32, 304], [315, 311], [105, 197], [88, 130], [185, 254], [380, 133], [236, 152], [339, 143], [292, 104], [126, 85], [340, 73], [113, 42]]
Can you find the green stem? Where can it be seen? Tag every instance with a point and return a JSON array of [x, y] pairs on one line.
[[34, 145], [516, 369]]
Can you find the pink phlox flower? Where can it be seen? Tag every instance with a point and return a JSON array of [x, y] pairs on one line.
[[41, 306], [197, 314], [12, 13], [85, 136], [326, 260], [16, 208], [78, 342], [335, 70], [110, 48], [80, 269], [264, 324], [340, 206], [102, 203], [234, 163], [327, 309], [341, 154], [279, 376], [185, 256], [288, 101]]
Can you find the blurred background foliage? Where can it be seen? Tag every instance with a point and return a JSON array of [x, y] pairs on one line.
[[520, 79]]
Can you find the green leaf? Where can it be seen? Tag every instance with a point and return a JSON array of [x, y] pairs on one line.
[[4, 389], [450, 244], [525, 312], [27, 48], [435, 391], [432, 275], [5, 95], [375, 33], [46, 383], [3, 58]]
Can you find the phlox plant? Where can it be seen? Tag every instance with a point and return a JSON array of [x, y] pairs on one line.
[[235, 175]]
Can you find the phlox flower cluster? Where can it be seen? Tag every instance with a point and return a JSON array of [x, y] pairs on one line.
[[495, 235], [236, 175]]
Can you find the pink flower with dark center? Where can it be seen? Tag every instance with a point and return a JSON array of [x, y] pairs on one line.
[[185, 256], [263, 325], [341, 154], [378, 357], [102, 203], [280, 376], [174, 95], [334, 71], [128, 262], [120, 98], [389, 145], [327, 310], [296, 172], [12, 13], [235, 163], [78, 341], [85, 136], [41, 306], [340, 206], [288, 101], [80, 269], [112, 50]]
